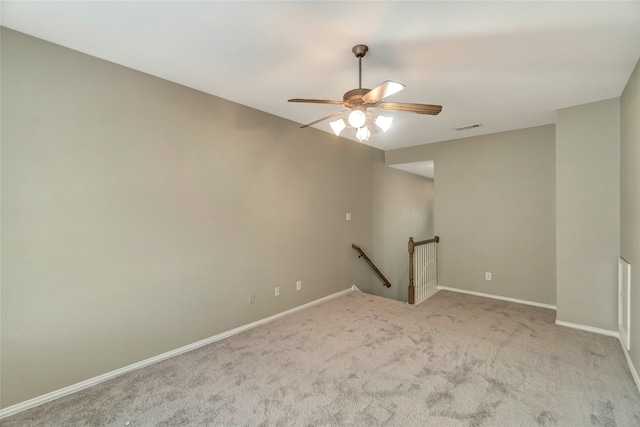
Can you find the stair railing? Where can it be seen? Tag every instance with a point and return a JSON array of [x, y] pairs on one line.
[[371, 264], [425, 269]]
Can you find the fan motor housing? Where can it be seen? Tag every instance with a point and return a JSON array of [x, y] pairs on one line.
[[354, 97]]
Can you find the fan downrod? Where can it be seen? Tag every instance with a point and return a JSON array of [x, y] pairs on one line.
[[360, 50]]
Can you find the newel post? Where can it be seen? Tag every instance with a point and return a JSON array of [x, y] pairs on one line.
[[411, 293]]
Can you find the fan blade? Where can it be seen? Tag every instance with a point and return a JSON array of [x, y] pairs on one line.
[[385, 89], [317, 101], [410, 108], [324, 118]]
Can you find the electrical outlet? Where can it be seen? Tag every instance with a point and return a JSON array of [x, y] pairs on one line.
[[487, 276], [252, 298], [278, 291], [298, 285], [348, 216]]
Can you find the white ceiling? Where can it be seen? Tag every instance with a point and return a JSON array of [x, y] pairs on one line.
[[508, 65]]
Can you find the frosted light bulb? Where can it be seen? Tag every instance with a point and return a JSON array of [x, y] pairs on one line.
[[357, 118]]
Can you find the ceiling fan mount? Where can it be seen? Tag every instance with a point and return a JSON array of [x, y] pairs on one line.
[[359, 100], [360, 50]]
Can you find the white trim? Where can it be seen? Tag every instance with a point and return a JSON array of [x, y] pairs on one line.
[[624, 302], [600, 331], [31, 403], [632, 368], [354, 288], [481, 294]]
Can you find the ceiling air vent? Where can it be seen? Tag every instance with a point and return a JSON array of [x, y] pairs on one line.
[[467, 127]]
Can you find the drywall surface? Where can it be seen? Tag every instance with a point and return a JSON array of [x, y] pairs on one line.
[[494, 211], [139, 215], [630, 198], [588, 213]]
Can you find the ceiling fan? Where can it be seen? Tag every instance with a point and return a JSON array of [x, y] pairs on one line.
[[358, 101]]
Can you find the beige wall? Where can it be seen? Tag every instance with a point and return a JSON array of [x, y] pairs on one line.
[[138, 215], [588, 213], [494, 211], [130, 206], [630, 198]]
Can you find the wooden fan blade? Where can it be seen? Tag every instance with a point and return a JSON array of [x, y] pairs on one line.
[[410, 108], [317, 101], [385, 89], [324, 118]]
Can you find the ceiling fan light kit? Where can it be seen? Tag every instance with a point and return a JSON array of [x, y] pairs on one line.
[[357, 118], [338, 126], [363, 134], [358, 101], [384, 122]]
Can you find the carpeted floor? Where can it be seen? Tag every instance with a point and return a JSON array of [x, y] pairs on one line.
[[455, 360]]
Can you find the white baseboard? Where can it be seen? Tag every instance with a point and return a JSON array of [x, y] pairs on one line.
[[600, 331], [31, 403], [498, 297]]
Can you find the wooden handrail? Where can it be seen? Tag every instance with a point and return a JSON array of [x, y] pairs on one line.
[[412, 290], [371, 264], [424, 242]]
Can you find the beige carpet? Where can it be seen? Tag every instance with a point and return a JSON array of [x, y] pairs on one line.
[[455, 360]]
